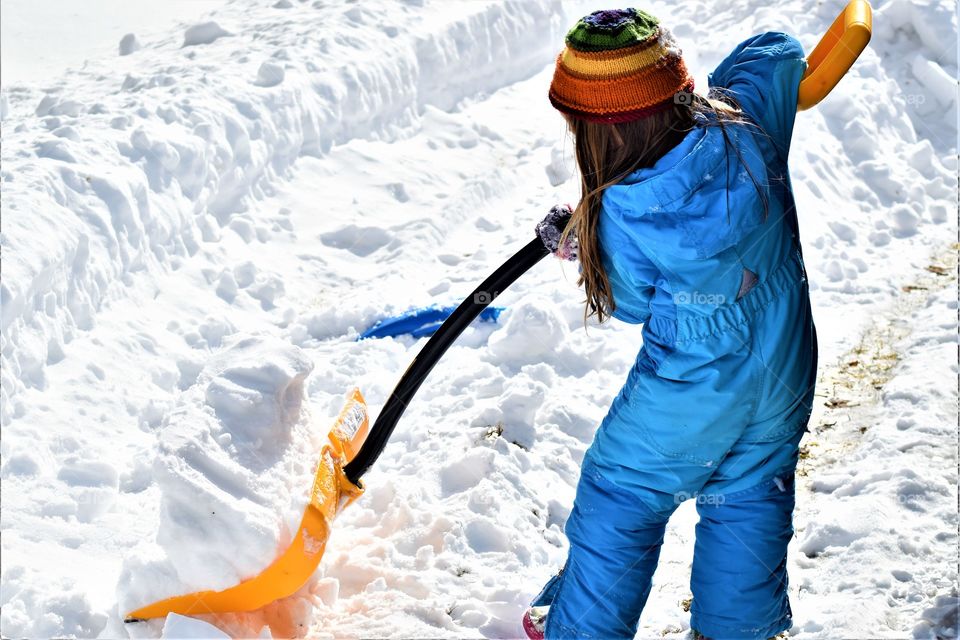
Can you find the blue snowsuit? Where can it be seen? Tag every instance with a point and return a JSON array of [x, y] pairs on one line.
[[722, 389]]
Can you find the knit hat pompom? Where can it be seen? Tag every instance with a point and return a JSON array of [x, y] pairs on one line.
[[619, 65]]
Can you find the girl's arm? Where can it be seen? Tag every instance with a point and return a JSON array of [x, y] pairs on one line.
[[763, 75]]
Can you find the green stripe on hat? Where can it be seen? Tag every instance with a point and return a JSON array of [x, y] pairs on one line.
[[613, 29]]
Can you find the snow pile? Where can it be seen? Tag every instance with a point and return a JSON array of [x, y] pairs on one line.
[[234, 467], [203, 33], [129, 44], [137, 180], [187, 230], [928, 32], [231, 453]]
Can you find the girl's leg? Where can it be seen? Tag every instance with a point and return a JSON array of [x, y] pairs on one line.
[[615, 542], [739, 577]]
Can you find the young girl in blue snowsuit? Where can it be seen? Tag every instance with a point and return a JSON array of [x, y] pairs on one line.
[[686, 225]]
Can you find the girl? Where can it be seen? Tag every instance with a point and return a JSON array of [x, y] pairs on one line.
[[687, 225]]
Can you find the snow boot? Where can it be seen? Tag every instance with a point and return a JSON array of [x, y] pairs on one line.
[[534, 622]]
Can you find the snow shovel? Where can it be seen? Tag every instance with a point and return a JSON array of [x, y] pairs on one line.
[[420, 322], [351, 450]]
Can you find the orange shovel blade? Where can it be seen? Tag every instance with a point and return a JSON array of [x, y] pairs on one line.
[[331, 492]]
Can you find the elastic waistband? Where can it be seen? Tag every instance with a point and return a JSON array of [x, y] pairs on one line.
[[788, 274]]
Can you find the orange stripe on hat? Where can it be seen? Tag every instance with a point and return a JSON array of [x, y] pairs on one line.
[[650, 85]]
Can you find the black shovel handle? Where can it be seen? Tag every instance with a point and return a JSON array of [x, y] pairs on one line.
[[431, 353]]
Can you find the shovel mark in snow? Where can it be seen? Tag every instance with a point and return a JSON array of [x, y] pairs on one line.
[[360, 241]]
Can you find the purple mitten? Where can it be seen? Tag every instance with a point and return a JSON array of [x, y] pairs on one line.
[[550, 230]]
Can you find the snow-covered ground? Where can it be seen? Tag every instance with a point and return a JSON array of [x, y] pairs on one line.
[[81, 31], [194, 233], [878, 510]]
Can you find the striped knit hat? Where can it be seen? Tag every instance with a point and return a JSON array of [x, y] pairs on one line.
[[618, 65]]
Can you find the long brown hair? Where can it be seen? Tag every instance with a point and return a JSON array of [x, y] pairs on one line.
[[607, 153]]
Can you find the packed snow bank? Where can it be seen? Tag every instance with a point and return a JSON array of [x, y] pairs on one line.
[[168, 153], [925, 33], [233, 453], [235, 462]]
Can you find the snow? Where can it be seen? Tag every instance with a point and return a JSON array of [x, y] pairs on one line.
[[203, 33], [81, 32], [129, 44], [198, 223], [880, 509], [182, 627], [231, 451]]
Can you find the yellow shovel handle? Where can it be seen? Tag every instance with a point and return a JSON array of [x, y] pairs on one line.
[[836, 52]]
